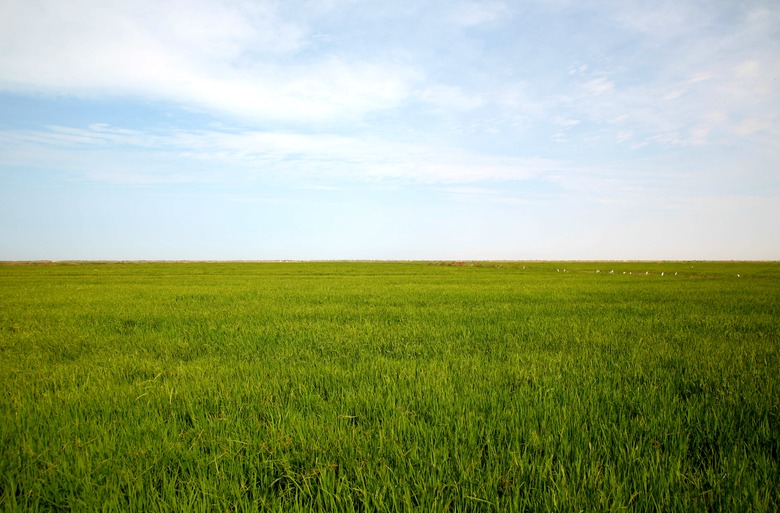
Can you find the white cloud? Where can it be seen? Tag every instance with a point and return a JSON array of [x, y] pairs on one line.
[[683, 60], [93, 44], [700, 107], [479, 13], [751, 126], [674, 94], [663, 20], [599, 86], [566, 122], [484, 195], [327, 90], [239, 58], [450, 97]]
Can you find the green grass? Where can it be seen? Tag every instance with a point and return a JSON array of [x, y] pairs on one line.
[[390, 386]]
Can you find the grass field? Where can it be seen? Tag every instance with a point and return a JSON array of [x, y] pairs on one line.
[[390, 386]]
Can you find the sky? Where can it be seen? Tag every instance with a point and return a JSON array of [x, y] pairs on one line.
[[420, 130]]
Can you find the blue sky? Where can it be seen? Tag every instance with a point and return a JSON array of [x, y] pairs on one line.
[[349, 129]]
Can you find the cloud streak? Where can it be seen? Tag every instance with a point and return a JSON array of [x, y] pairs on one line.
[[247, 153]]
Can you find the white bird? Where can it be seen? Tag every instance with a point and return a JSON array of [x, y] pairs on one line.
[[662, 274]]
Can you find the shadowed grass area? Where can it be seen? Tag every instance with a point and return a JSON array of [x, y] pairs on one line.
[[387, 386]]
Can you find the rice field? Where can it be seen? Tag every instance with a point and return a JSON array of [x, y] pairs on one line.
[[390, 386]]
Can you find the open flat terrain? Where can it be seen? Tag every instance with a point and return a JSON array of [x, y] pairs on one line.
[[390, 386]]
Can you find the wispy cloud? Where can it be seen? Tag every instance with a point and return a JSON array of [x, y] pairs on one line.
[[450, 97], [243, 154], [486, 196], [479, 13]]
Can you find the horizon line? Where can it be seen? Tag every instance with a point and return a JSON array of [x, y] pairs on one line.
[[367, 260]]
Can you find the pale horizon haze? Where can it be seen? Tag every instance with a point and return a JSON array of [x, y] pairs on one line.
[[407, 130]]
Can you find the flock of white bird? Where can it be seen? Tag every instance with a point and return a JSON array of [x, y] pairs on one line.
[[612, 271]]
